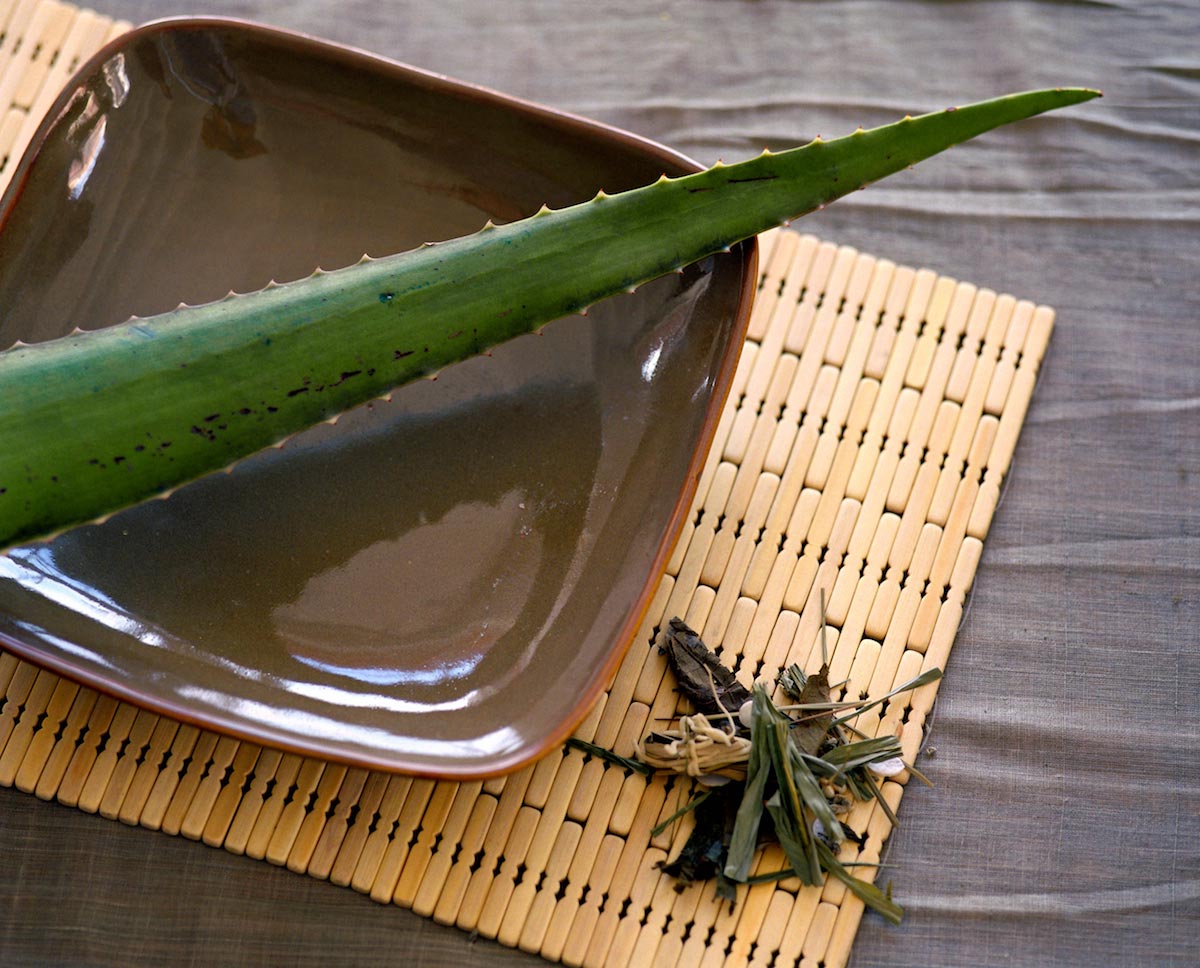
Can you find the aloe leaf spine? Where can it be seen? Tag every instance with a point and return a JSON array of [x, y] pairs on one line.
[[95, 422]]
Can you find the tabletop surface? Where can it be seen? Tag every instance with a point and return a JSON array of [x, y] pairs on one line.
[[1064, 823]]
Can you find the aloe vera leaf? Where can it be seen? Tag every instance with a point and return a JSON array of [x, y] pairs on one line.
[[95, 422]]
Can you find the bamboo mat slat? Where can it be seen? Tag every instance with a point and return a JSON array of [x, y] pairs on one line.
[[873, 417]]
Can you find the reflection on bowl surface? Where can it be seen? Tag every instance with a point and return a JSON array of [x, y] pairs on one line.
[[439, 581]]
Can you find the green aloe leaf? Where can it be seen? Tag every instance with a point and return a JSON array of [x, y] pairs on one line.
[[94, 422]]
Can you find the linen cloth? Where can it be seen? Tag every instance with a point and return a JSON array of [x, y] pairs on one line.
[[1064, 828]]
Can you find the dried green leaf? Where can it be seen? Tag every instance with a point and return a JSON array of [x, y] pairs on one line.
[[913, 771], [872, 786], [926, 677], [800, 788], [862, 785], [867, 892], [809, 733], [819, 767], [814, 798], [609, 756], [850, 756], [703, 854], [785, 806], [711, 688], [787, 872], [797, 841], [690, 805], [749, 814], [791, 680]]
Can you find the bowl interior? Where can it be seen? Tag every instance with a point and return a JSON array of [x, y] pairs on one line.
[[439, 583]]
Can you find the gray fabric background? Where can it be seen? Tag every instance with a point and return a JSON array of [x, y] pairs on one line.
[[1064, 826]]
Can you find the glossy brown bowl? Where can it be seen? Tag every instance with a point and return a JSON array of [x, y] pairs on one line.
[[442, 584]]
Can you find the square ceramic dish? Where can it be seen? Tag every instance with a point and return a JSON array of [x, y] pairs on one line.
[[441, 584]]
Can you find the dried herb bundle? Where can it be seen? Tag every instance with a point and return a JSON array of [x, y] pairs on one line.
[[796, 768]]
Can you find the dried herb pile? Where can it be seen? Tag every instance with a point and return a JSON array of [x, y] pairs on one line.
[[767, 773]]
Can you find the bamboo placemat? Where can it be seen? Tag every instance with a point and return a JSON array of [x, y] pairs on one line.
[[873, 417]]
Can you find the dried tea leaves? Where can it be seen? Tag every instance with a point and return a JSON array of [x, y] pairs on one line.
[[710, 687], [795, 770]]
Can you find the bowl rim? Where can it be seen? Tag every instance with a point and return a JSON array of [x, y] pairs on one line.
[[265, 733]]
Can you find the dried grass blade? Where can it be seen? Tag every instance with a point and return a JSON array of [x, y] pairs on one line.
[[798, 843], [791, 680], [867, 892], [861, 752], [609, 756], [686, 808], [873, 786], [926, 677], [813, 797], [749, 815]]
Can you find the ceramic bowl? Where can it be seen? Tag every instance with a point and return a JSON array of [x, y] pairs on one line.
[[439, 585]]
